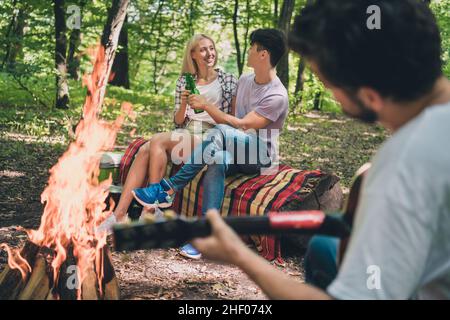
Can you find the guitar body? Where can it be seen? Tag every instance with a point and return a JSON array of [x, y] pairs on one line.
[[351, 206]]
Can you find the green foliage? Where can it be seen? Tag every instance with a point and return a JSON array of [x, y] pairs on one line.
[[314, 96], [19, 111], [441, 10], [157, 34]]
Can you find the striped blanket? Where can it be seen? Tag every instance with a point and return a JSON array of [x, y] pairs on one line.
[[255, 195], [288, 189]]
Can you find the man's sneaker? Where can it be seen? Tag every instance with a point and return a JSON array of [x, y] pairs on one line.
[[153, 196], [189, 251], [165, 185]]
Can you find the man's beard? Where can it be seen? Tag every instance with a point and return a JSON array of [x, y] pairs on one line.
[[365, 114]]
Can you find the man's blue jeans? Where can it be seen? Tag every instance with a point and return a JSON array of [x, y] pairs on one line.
[[226, 151], [321, 261]]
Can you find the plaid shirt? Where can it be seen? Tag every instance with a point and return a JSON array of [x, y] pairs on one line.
[[227, 81]]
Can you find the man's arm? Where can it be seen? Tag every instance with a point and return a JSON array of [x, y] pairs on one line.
[[252, 120], [224, 245], [276, 284]]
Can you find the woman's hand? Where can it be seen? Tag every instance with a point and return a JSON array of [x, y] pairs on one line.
[[184, 97], [197, 101]]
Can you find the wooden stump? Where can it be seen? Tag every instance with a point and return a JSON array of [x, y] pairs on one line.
[[328, 196]]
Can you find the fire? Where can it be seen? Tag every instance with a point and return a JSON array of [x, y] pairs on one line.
[[74, 198]]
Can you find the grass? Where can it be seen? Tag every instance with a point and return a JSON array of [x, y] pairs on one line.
[[20, 111]]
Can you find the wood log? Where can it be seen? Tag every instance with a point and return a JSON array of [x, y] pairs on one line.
[[11, 282], [110, 282], [38, 286], [328, 200], [89, 287], [50, 296], [65, 291], [112, 290]]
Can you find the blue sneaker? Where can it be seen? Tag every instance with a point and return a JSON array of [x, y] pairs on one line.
[[165, 185], [189, 251], [153, 196]]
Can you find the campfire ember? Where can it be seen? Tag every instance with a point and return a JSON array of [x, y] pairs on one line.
[[65, 258]]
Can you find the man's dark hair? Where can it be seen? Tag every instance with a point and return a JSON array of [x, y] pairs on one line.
[[272, 40], [401, 60]]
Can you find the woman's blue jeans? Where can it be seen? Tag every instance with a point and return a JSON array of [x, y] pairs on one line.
[[226, 151]]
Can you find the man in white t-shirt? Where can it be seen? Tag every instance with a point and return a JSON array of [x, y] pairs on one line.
[[392, 73]]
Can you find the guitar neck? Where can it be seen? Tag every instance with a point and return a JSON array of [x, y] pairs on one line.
[[173, 233]]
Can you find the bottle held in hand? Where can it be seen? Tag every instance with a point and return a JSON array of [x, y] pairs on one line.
[[190, 86]]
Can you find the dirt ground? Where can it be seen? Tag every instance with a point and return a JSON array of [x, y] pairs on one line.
[[327, 142], [156, 274], [164, 274]]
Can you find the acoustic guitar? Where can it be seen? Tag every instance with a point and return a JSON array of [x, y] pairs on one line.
[[173, 230]]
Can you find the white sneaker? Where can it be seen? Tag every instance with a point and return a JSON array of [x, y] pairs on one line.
[[145, 216], [107, 225], [158, 213]]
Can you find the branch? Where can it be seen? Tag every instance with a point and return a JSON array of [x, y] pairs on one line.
[[35, 97]]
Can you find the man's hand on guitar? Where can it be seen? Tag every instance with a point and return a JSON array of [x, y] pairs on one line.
[[224, 245]]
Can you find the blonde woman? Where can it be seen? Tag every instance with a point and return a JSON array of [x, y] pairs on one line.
[[217, 86]]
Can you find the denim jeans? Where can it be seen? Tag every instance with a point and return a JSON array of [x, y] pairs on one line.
[[226, 151], [321, 261]]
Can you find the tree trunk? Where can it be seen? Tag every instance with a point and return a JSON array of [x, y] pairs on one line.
[[317, 101], [191, 19], [141, 50], [104, 60], [301, 69], [73, 58], [62, 87], [275, 13], [120, 67], [236, 37], [300, 80], [155, 56], [14, 37], [299, 84], [247, 28], [18, 34], [284, 24], [8, 34], [110, 39]]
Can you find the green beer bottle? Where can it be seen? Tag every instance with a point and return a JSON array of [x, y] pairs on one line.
[[190, 85]]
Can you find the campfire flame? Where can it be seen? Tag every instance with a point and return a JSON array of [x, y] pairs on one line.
[[74, 198]]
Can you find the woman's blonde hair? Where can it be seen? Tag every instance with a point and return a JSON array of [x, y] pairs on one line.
[[189, 65]]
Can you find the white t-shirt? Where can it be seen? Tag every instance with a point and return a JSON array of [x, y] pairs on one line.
[[213, 94], [400, 246]]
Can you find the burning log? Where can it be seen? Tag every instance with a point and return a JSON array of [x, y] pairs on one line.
[[39, 284], [11, 280]]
